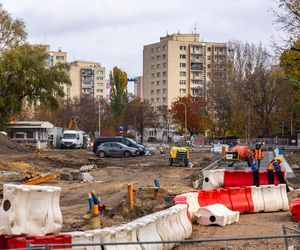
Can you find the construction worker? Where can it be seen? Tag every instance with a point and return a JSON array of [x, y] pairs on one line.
[[258, 154], [276, 164]]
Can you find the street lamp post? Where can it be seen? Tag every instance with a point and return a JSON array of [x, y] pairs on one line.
[[99, 117], [185, 117]]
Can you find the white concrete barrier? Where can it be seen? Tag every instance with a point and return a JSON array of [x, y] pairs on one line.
[[30, 210], [213, 179], [217, 214], [146, 231], [183, 217], [193, 204], [272, 198], [257, 199], [284, 197]]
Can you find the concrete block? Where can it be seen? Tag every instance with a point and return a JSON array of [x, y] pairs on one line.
[[86, 177], [66, 176]]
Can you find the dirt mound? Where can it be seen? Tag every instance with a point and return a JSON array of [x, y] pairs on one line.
[[15, 166], [9, 146]]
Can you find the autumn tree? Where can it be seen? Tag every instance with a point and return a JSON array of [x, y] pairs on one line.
[[12, 31], [118, 92], [139, 115], [197, 121]]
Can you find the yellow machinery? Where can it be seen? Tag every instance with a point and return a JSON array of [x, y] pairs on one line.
[[179, 155]]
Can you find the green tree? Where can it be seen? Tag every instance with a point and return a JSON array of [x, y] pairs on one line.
[[12, 32], [25, 79], [118, 92]]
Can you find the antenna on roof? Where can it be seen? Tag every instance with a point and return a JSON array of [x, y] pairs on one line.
[[195, 29]]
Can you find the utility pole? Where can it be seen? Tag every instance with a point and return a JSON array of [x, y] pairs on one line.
[[99, 117]]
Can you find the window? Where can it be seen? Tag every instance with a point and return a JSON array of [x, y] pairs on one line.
[[208, 66], [29, 134], [152, 82], [59, 58], [182, 47], [182, 65], [158, 49], [158, 66], [152, 50], [182, 91], [209, 74], [164, 99], [157, 83], [152, 66], [208, 58], [164, 65], [182, 82], [164, 81], [158, 91], [152, 92], [99, 78], [164, 56], [164, 47], [182, 73], [152, 75], [152, 99], [158, 74], [100, 72], [158, 58], [165, 73], [182, 56], [158, 99], [208, 48], [100, 84], [164, 91]]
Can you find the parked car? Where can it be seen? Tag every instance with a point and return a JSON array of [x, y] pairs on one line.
[[115, 149], [127, 141], [152, 139]]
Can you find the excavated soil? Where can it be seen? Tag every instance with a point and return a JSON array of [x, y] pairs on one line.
[[8, 146], [111, 176]]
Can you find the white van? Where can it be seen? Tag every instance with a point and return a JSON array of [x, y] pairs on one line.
[[72, 139]]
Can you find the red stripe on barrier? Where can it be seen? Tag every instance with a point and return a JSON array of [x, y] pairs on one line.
[[239, 200], [238, 178], [21, 242], [201, 198], [224, 197]]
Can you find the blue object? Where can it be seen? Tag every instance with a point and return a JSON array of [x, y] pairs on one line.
[[91, 203], [156, 182], [276, 165], [95, 199], [280, 151], [253, 167]]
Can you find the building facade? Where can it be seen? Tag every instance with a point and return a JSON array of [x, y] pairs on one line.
[[180, 65], [88, 79], [138, 87]]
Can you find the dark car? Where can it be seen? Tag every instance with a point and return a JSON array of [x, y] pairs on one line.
[[115, 149], [127, 141]]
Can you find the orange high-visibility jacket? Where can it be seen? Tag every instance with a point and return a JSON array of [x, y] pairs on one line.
[[258, 154]]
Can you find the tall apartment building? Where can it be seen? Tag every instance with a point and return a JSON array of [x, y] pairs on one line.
[[88, 79], [180, 65], [58, 56], [138, 87]]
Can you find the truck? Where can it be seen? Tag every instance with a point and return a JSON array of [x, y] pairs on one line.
[[72, 139]]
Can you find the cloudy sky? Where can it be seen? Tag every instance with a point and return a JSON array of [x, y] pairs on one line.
[[113, 32]]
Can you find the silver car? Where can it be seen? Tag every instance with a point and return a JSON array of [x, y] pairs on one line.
[[116, 149]]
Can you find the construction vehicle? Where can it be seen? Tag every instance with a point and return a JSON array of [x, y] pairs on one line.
[[179, 155], [239, 153]]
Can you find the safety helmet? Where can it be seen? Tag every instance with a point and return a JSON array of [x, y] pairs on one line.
[[278, 159]]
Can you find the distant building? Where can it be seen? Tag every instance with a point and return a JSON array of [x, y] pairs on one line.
[[138, 87], [180, 65], [88, 79], [34, 132], [107, 91], [55, 57]]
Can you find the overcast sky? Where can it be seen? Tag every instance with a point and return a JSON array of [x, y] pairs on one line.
[[113, 32]]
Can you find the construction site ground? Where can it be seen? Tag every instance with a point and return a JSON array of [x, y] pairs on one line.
[[111, 177]]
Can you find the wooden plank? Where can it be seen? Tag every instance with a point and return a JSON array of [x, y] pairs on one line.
[[42, 179]]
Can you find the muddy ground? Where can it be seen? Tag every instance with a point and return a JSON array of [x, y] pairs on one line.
[[111, 177]]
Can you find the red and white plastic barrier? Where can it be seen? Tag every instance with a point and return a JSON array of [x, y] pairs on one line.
[[213, 179]]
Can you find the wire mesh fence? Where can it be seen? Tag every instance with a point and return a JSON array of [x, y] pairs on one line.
[[292, 243]]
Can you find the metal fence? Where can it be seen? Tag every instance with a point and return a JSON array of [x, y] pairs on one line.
[[290, 236]]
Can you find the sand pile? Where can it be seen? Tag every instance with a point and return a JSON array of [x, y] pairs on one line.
[[9, 146]]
